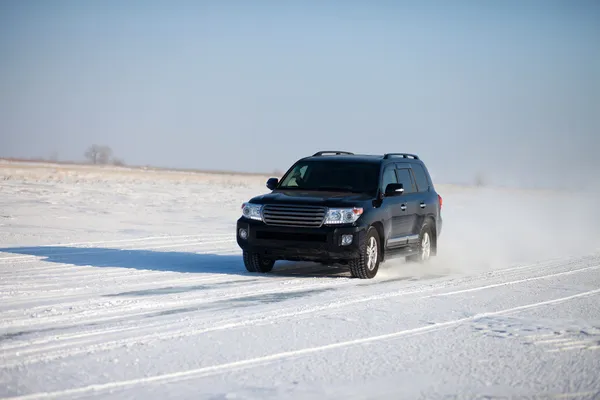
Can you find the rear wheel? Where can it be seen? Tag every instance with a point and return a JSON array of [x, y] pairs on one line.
[[254, 262], [426, 247], [367, 264]]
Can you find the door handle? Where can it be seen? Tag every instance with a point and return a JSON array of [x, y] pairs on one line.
[[423, 205], [403, 207]]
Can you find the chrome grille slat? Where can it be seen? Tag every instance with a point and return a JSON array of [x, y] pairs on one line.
[[298, 208], [295, 224], [292, 215], [294, 218], [297, 214]]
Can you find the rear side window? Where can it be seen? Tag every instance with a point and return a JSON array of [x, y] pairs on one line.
[[406, 179], [421, 178]]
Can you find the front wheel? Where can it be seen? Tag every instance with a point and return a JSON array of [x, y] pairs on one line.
[[425, 249], [367, 263], [254, 262]]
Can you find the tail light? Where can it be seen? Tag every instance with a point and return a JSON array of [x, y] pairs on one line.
[[440, 199]]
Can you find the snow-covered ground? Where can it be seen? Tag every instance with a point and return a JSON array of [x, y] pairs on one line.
[[129, 284]]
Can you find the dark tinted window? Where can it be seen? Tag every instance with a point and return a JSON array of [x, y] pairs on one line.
[[389, 176], [420, 177], [351, 176], [405, 178]]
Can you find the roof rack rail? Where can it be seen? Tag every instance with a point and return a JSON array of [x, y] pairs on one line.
[[320, 153], [403, 155]]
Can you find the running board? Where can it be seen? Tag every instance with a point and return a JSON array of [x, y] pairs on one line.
[[403, 240], [403, 251]]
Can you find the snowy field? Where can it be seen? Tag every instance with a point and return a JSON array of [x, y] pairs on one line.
[[119, 283]]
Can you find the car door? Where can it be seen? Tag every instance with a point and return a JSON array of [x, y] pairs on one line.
[[409, 203], [426, 201], [393, 206]]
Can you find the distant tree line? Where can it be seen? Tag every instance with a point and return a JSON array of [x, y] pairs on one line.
[[102, 155]]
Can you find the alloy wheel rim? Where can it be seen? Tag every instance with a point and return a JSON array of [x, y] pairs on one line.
[[372, 254], [425, 247]]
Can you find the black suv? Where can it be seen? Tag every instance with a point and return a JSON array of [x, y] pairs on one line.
[[338, 207]]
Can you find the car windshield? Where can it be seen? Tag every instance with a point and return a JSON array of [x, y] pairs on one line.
[[332, 175]]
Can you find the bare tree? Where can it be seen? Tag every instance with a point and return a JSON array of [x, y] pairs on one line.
[[480, 180], [105, 155], [98, 154], [92, 153]]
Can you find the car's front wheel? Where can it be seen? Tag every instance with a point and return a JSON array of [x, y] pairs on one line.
[[254, 262], [366, 265]]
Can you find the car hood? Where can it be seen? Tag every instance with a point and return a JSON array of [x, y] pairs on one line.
[[317, 198]]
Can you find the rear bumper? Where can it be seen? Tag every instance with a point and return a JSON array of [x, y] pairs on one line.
[[297, 244]]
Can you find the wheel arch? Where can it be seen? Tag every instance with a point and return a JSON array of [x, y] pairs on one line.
[[431, 220], [378, 225]]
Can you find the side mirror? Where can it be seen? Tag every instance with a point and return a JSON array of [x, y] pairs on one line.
[[272, 183], [394, 189]]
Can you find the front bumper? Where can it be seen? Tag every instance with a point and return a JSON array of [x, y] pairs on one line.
[[298, 244]]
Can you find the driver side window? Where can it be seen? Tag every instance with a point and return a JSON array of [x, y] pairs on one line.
[[389, 176], [296, 176]]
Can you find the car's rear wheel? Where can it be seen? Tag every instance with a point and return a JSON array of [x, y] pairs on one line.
[[254, 262], [366, 265], [426, 246]]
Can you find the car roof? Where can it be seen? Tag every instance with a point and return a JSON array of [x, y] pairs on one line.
[[369, 158], [346, 157]]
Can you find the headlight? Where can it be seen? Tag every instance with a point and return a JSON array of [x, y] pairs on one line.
[[252, 211], [342, 215]]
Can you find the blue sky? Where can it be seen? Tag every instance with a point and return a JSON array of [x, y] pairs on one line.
[[471, 86]]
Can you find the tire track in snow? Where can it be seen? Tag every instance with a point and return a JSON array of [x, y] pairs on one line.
[[17, 295], [80, 269], [92, 273], [45, 250], [93, 277], [165, 277], [154, 282], [284, 280], [498, 273], [147, 238], [446, 284], [251, 362], [95, 250], [232, 324], [152, 308]]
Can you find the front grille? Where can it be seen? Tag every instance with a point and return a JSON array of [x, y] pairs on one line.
[[293, 215]]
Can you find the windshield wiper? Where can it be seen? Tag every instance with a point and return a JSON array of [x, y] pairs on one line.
[[289, 188], [322, 189]]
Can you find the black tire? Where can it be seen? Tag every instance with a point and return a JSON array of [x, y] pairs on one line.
[[359, 267], [254, 262], [422, 255]]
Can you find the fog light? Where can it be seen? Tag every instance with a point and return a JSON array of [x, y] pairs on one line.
[[243, 234], [346, 240]]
